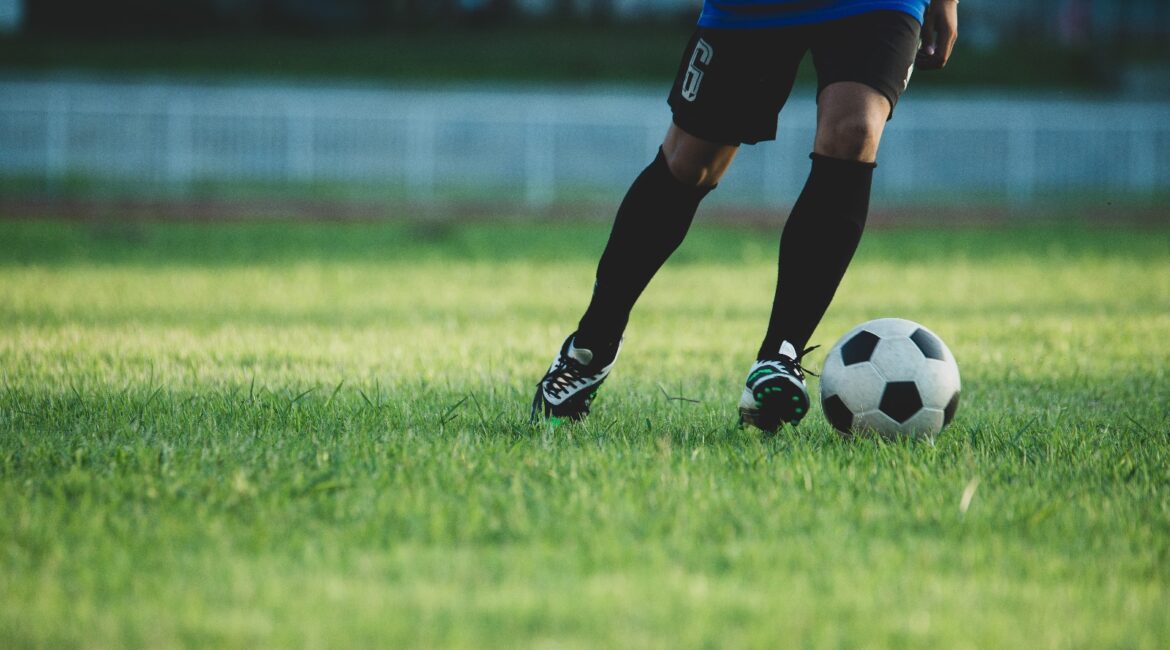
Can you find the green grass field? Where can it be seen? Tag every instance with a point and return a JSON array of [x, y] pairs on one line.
[[250, 435]]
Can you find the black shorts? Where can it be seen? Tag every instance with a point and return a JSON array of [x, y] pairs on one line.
[[732, 83]]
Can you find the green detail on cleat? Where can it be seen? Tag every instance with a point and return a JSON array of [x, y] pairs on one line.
[[762, 372]]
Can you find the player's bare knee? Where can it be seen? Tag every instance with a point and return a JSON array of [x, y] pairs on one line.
[[695, 173], [849, 139], [694, 161]]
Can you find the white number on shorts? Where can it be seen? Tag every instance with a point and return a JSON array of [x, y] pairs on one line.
[[702, 54]]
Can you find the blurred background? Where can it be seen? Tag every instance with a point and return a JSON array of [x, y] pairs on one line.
[[384, 108]]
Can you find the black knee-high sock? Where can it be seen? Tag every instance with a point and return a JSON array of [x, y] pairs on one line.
[[651, 223], [816, 247]]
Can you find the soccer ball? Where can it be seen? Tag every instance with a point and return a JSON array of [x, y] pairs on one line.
[[892, 377]]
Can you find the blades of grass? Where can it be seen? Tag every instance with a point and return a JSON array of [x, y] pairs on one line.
[[671, 398], [336, 390], [447, 415]]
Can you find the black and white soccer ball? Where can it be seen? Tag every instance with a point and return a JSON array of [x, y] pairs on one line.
[[892, 377]]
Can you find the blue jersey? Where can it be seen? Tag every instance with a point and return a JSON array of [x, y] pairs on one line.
[[778, 13]]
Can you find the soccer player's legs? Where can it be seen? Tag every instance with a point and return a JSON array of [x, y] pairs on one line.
[[729, 87], [862, 66], [728, 90], [651, 222]]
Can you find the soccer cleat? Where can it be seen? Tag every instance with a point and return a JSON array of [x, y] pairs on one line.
[[774, 392], [571, 383]]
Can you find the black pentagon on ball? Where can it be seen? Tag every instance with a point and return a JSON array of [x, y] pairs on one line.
[[900, 400], [837, 413], [931, 347], [949, 411], [859, 348]]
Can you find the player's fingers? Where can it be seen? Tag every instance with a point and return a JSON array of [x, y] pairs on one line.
[[947, 28], [946, 38], [952, 36]]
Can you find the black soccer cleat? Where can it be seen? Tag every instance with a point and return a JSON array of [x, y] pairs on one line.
[[571, 383], [774, 393]]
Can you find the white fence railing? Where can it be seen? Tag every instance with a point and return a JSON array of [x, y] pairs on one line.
[[541, 146]]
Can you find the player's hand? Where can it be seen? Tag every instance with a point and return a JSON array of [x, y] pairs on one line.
[[940, 28]]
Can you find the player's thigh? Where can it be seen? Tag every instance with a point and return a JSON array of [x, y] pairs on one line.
[[875, 51]]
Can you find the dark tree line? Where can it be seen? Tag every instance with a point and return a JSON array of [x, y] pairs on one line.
[[1126, 23], [121, 17]]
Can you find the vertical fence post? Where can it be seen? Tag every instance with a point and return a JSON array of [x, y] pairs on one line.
[[300, 142], [56, 139], [178, 151], [899, 177], [420, 154], [1143, 156], [1021, 162], [539, 158]]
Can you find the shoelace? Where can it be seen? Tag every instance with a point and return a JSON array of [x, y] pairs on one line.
[[796, 365], [563, 376]]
